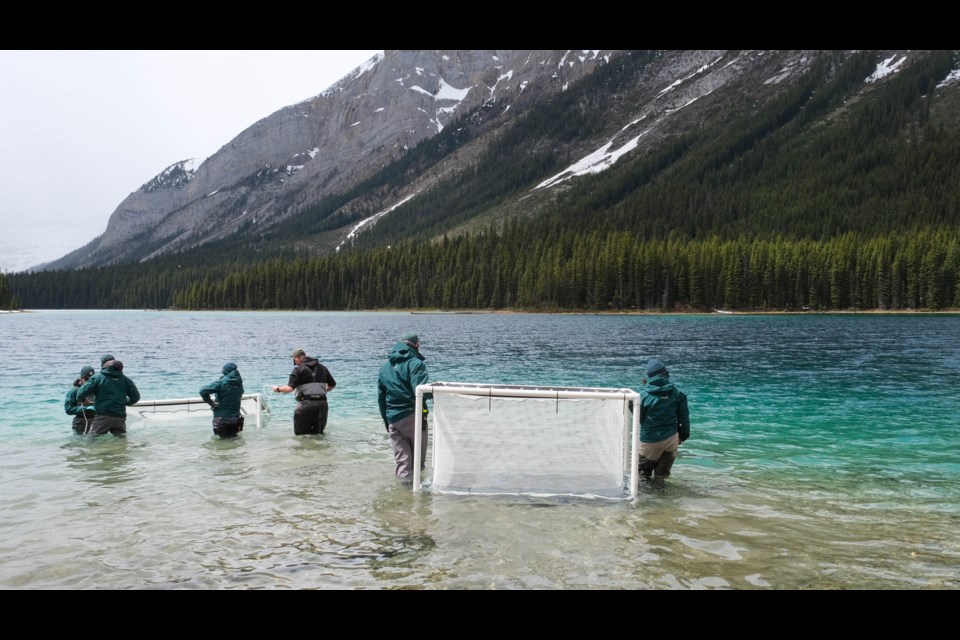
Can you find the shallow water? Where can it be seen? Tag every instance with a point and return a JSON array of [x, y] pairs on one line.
[[825, 454]]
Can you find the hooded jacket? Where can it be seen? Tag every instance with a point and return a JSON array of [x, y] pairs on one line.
[[398, 380], [114, 391], [663, 411], [229, 391], [310, 370], [72, 404]]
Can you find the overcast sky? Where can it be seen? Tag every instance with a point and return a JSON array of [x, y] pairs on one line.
[[81, 130]]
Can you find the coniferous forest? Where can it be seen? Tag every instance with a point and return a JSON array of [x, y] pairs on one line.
[[777, 209]]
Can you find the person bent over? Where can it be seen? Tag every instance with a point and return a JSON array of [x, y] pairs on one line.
[[113, 392], [227, 419]]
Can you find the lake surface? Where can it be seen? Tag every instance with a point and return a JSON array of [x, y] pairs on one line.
[[825, 454]]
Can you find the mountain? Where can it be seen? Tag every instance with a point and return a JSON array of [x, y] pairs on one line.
[[301, 154], [761, 179], [290, 160]]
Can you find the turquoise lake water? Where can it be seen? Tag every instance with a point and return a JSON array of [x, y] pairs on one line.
[[825, 454]]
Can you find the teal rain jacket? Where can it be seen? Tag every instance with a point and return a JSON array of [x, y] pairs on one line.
[[114, 391], [229, 390], [397, 383], [72, 405], [663, 411]]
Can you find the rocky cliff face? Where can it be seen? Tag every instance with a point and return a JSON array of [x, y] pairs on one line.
[[290, 160], [293, 157]]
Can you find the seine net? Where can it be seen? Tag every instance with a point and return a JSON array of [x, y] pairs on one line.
[[493, 439], [177, 409]]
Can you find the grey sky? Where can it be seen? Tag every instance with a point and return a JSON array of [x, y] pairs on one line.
[[81, 130]]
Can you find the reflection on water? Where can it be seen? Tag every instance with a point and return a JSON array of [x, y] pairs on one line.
[[104, 461], [402, 540]]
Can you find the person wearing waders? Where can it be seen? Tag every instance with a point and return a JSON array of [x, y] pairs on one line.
[[664, 422], [310, 381], [228, 392], [397, 383], [82, 409]]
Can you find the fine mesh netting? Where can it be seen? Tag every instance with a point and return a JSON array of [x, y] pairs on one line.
[[251, 404], [569, 444]]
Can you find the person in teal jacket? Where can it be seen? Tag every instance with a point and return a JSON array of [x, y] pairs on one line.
[[82, 409], [113, 392], [664, 421], [397, 397], [227, 420]]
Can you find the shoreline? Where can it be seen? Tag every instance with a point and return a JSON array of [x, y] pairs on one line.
[[450, 312]]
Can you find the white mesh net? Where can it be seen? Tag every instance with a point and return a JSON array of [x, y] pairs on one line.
[[508, 439], [251, 404]]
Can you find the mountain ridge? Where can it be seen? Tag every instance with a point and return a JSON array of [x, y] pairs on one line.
[[827, 176], [306, 151]]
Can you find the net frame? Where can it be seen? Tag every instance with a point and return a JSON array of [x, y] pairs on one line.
[[250, 403], [631, 449]]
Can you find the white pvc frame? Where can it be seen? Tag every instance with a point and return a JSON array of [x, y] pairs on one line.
[[519, 391], [192, 401]]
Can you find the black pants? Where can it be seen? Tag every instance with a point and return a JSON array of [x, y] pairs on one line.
[[657, 468], [82, 422], [310, 417], [117, 425], [228, 427]]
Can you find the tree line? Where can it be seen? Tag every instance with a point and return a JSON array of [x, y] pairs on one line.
[[563, 270], [8, 301], [612, 271]]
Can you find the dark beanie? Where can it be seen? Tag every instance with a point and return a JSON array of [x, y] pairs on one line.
[[655, 367], [227, 368], [104, 359], [86, 372]]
